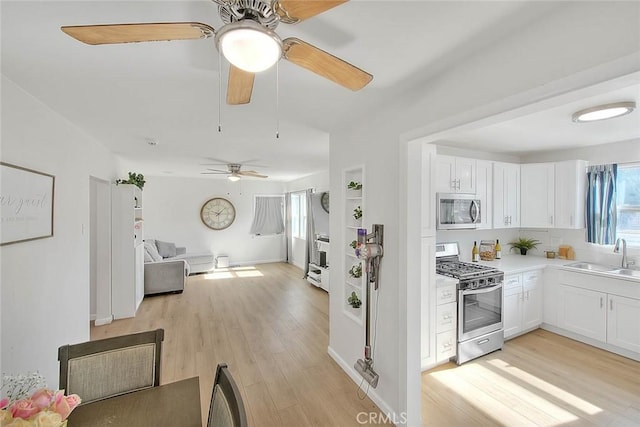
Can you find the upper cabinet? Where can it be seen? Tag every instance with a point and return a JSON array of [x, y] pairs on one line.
[[506, 195], [537, 184], [570, 193], [553, 194], [455, 175], [484, 192]]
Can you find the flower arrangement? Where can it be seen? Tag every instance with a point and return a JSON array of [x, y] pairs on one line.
[[43, 408]]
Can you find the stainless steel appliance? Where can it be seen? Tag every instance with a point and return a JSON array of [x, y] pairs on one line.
[[480, 329], [456, 211]]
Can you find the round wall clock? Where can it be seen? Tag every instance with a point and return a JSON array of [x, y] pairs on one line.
[[324, 201], [218, 213]]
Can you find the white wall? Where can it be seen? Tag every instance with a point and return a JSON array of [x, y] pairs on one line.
[[318, 181], [526, 67], [171, 207], [45, 283]]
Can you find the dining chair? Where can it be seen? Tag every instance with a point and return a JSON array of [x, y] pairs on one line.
[[226, 409], [100, 369]]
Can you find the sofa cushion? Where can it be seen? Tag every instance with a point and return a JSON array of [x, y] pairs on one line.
[[166, 249], [152, 250]]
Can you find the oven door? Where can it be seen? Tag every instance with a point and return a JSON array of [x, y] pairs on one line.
[[457, 211], [479, 312]]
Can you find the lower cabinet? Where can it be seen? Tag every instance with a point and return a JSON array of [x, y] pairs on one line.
[[623, 323], [522, 305], [583, 311], [446, 329]]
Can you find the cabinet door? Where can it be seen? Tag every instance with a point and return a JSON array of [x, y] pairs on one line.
[[583, 311], [466, 175], [512, 195], [484, 190], [537, 195], [623, 328], [499, 205], [532, 299], [446, 174], [569, 193], [512, 316]]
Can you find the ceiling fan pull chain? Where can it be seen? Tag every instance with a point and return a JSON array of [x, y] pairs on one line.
[[219, 92], [277, 100]]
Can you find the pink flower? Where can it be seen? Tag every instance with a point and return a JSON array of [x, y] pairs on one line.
[[42, 398], [47, 419], [60, 404], [4, 403], [23, 409], [73, 400]]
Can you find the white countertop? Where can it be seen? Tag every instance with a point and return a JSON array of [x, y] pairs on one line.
[[511, 264]]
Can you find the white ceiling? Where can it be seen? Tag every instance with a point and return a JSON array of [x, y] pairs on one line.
[[123, 95]]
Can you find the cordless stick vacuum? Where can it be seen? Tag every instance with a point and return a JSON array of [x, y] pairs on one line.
[[369, 249]]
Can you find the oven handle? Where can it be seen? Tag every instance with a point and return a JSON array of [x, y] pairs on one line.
[[481, 291]]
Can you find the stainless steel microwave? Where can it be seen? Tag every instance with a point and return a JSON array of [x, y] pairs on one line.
[[457, 211]]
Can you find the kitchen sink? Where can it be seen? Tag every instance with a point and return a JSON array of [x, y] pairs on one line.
[[590, 266], [625, 272]]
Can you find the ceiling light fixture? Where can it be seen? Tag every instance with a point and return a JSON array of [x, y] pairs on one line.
[[249, 46], [602, 112], [234, 177]]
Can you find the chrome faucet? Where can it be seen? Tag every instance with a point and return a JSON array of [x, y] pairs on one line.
[[616, 249]]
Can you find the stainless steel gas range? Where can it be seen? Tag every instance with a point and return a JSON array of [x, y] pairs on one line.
[[479, 300]]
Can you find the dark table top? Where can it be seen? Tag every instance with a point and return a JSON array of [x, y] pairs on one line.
[[173, 404]]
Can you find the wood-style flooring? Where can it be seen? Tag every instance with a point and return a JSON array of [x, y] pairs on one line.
[[271, 327], [538, 379]]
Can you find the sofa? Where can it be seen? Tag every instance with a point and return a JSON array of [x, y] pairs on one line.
[[167, 266]]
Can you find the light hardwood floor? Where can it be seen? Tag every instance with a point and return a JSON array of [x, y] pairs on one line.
[[538, 379], [271, 327]]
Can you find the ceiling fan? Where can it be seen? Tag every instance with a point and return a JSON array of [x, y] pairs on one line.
[[247, 40], [234, 172]]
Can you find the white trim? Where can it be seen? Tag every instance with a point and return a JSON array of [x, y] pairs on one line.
[[104, 321], [356, 378], [591, 341]]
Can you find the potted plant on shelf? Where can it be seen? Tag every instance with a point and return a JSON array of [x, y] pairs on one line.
[[354, 185], [354, 301], [524, 244], [357, 213], [136, 179], [353, 244], [356, 271]]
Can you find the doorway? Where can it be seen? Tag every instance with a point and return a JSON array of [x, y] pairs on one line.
[[100, 250]]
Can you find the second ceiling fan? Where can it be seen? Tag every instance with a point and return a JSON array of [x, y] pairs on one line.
[[247, 40]]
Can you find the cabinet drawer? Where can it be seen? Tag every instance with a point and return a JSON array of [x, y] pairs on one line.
[[513, 281], [446, 294], [531, 279], [446, 317], [445, 345]]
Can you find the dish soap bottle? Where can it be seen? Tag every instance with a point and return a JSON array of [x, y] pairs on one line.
[[475, 254], [498, 249]]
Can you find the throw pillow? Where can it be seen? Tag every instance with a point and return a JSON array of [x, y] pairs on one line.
[[153, 252], [166, 249]]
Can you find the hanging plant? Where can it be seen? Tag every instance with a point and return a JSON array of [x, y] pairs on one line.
[[354, 301], [136, 179], [356, 271], [357, 213]]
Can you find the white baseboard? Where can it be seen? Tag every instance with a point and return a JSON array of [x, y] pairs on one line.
[[353, 374], [263, 261], [92, 318], [104, 321]]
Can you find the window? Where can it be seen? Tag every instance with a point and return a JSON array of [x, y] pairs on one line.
[[299, 215], [628, 203], [268, 217]]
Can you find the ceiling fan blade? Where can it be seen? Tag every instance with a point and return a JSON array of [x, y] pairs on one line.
[[213, 173], [252, 173], [324, 64], [294, 11], [131, 33], [217, 170], [240, 86]]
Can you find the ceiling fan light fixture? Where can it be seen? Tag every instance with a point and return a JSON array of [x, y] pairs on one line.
[[249, 46], [603, 112], [234, 177]]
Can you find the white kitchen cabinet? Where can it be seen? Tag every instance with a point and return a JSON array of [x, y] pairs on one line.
[[506, 195], [570, 181], [522, 304], [127, 250], [583, 311], [623, 322], [455, 175], [537, 195], [484, 192]]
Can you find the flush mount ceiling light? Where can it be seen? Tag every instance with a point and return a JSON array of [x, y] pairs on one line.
[[249, 45], [234, 177], [602, 112]]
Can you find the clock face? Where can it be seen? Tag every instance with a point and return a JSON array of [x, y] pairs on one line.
[[324, 201], [218, 213]]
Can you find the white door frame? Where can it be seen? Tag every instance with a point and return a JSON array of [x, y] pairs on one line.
[[100, 249]]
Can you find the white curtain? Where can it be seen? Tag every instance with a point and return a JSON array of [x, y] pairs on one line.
[[268, 217]]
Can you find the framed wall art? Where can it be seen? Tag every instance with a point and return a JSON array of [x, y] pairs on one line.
[[26, 204]]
